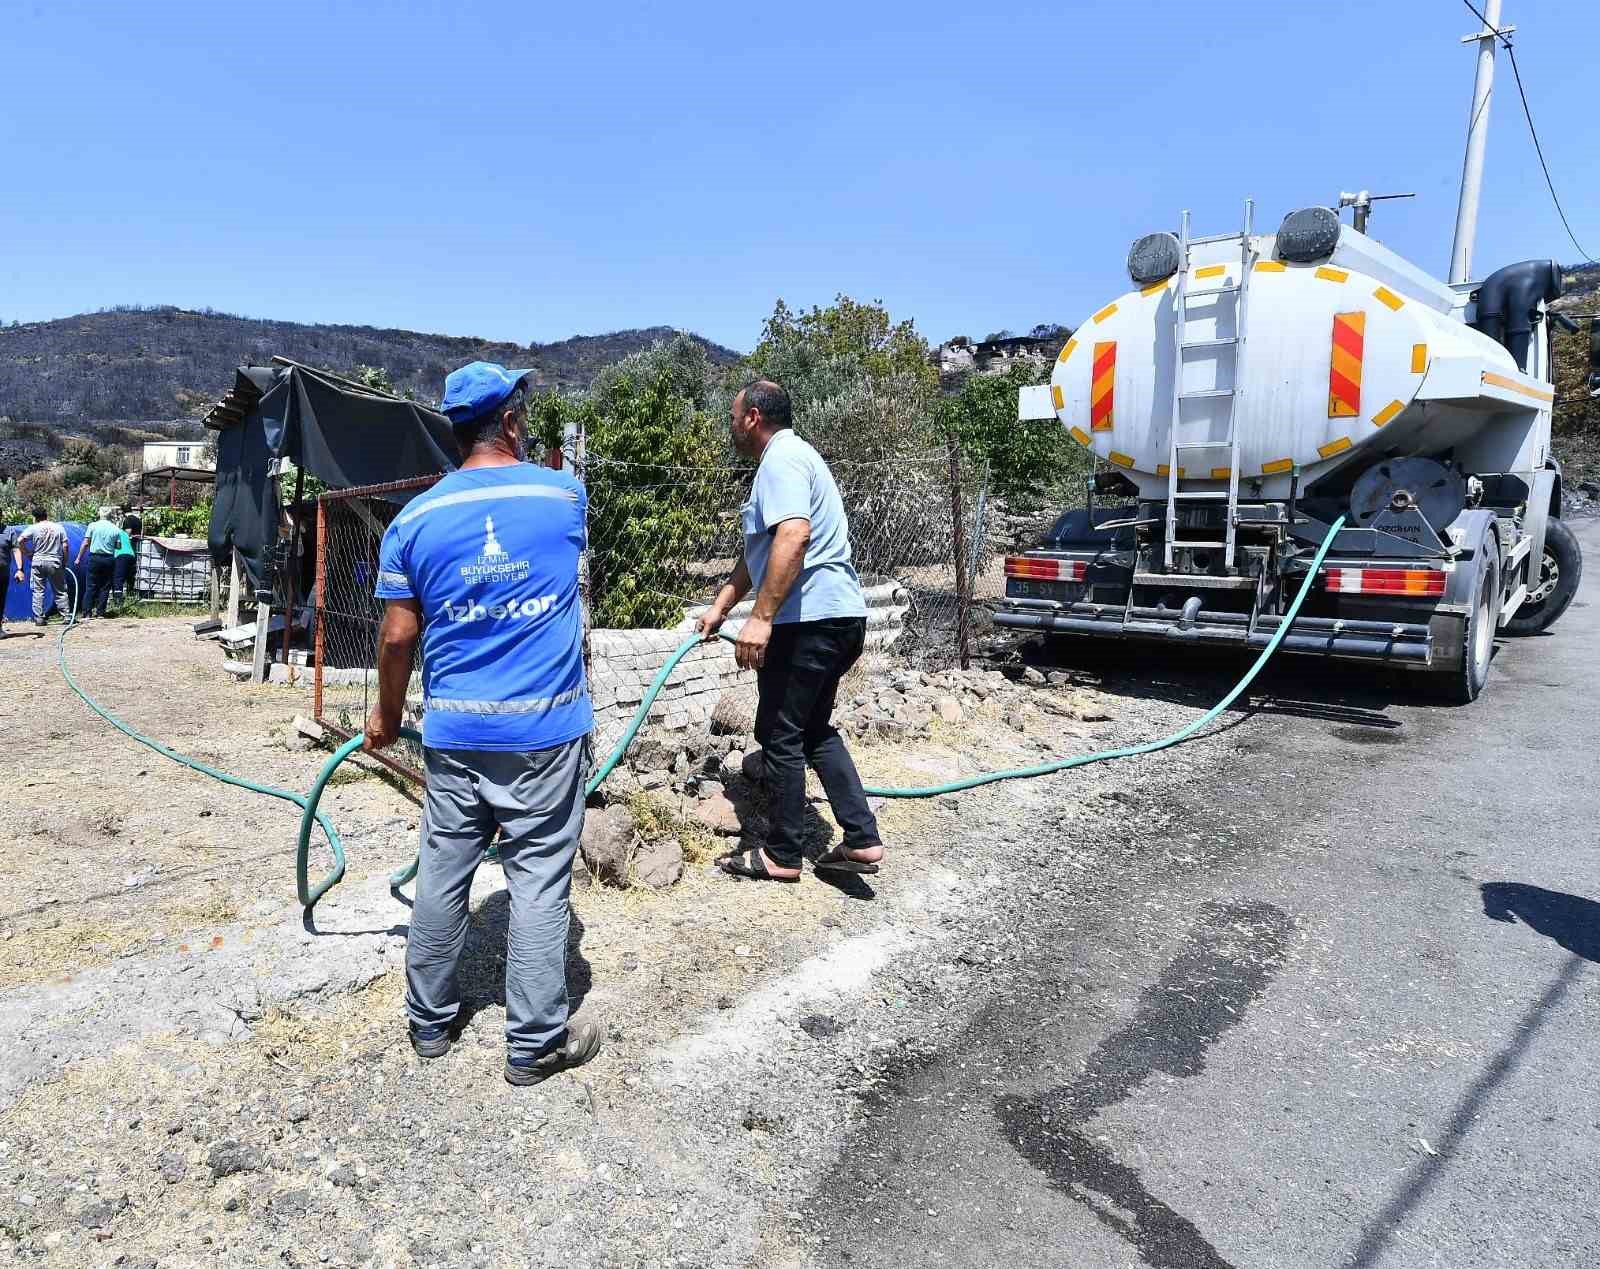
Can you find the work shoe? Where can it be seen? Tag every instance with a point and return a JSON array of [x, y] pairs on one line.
[[430, 1042], [582, 1043]]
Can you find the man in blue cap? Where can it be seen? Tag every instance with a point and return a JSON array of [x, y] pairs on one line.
[[483, 568]]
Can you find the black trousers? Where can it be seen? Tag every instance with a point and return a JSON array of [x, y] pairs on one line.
[[102, 566], [122, 577], [794, 724]]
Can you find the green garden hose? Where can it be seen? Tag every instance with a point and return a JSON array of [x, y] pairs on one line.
[[308, 896], [406, 874], [311, 816]]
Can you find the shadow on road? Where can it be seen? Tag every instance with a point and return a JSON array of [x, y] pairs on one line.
[[1571, 922], [1325, 691], [1226, 965], [1411, 1191]]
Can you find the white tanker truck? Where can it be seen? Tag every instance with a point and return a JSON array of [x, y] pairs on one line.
[[1252, 388]]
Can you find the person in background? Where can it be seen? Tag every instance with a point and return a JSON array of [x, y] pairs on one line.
[[122, 579], [100, 543], [806, 629], [46, 542], [8, 544], [483, 568]]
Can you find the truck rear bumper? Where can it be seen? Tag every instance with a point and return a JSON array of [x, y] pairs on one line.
[[1408, 643]]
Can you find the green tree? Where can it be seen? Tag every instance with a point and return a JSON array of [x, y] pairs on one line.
[[862, 384], [655, 491], [1026, 458]]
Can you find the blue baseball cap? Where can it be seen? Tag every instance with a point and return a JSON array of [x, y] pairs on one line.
[[477, 388]]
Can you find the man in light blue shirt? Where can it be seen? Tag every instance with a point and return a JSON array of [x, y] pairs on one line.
[[806, 629], [483, 569], [100, 541]]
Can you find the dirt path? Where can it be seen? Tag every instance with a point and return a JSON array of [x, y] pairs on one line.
[[192, 1076]]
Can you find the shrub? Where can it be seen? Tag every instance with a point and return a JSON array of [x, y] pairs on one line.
[[1027, 459]]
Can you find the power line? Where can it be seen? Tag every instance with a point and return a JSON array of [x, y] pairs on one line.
[[1527, 113]]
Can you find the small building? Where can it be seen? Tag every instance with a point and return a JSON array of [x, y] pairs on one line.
[[158, 454]]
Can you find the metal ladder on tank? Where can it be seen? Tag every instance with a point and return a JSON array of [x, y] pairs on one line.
[[1179, 482]]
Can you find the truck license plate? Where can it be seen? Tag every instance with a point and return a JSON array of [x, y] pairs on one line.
[[1021, 588]]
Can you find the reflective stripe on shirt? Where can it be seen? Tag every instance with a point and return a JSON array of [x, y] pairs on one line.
[[491, 494], [539, 705]]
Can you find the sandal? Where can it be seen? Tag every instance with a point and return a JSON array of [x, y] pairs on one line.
[[750, 864], [835, 860]]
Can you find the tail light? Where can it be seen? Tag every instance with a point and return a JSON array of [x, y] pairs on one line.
[[1425, 583], [1037, 569]]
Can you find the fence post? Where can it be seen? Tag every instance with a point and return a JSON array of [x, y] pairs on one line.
[[958, 525], [322, 600], [580, 471], [235, 587]]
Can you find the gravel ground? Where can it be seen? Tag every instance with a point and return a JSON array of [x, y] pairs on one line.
[[193, 1077]]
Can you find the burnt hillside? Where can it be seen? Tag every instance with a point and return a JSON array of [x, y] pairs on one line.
[[134, 363]]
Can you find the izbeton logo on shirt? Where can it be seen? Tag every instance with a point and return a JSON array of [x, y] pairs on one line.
[[495, 565]]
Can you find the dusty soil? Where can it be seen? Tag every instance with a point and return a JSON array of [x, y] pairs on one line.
[[192, 1075]]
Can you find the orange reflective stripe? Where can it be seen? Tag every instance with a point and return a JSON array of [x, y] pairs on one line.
[[1344, 369], [1102, 390]]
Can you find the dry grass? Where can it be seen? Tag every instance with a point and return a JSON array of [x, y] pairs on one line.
[[287, 1040], [42, 955]]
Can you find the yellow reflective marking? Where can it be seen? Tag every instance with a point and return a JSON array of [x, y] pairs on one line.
[[1270, 266], [1154, 287], [1388, 412], [1332, 275], [1281, 465], [1211, 271], [1121, 460], [1055, 395], [1165, 469], [1419, 358], [1335, 447], [1500, 381], [1385, 296], [1067, 351], [1079, 435], [1104, 313], [1221, 473]]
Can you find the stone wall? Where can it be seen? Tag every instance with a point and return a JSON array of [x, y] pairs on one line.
[[625, 662]]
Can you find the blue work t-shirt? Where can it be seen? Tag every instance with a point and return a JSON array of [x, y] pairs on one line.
[[491, 554], [793, 483]]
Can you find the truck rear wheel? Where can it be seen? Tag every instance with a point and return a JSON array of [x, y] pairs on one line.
[[1557, 582], [1461, 684]]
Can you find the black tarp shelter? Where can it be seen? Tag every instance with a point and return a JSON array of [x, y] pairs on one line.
[[332, 428]]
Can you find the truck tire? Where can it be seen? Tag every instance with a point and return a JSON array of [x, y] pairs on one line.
[[1557, 582], [1461, 684]]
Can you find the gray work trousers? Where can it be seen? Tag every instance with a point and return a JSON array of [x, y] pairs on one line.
[[537, 799], [55, 574]]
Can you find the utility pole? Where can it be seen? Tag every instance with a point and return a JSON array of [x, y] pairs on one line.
[[1477, 136]]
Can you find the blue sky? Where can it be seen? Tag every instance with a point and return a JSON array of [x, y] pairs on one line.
[[529, 172]]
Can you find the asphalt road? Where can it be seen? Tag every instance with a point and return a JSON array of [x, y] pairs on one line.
[[1349, 1016]]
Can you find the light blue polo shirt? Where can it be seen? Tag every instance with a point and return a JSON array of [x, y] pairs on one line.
[[491, 554], [103, 537], [793, 483]]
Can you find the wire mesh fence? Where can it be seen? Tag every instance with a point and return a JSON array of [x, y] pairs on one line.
[[661, 541], [349, 530]]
